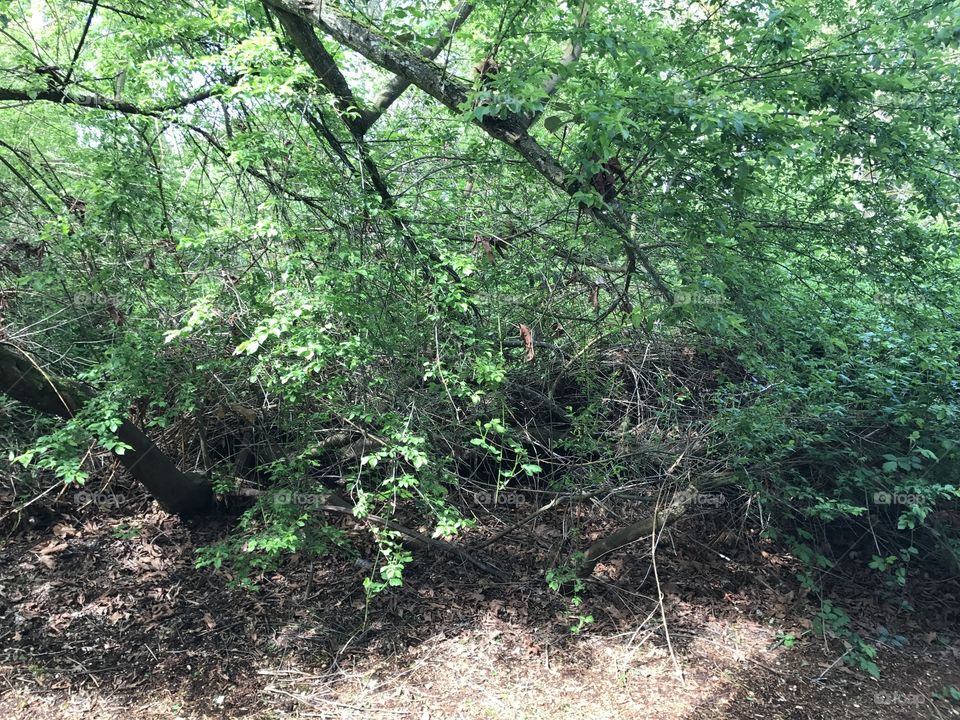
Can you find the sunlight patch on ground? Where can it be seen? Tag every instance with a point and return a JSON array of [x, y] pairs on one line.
[[501, 671]]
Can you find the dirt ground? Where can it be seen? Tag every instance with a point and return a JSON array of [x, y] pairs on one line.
[[105, 616]]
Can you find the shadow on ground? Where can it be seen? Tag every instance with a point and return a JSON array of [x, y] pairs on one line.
[[104, 615]]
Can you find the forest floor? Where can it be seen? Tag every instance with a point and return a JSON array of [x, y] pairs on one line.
[[103, 615]]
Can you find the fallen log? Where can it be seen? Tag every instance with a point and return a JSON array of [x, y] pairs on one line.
[[24, 380]]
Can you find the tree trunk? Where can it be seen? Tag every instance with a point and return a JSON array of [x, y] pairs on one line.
[[184, 494]]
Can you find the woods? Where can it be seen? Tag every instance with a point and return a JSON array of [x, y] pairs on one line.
[[528, 290]]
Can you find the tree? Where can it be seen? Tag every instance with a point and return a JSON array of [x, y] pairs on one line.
[[339, 218]]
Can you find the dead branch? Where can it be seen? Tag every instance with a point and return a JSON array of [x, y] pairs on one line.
[[647, 526]]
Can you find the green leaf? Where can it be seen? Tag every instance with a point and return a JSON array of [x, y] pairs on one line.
[[552, 123]]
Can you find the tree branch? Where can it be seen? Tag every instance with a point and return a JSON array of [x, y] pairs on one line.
[[112, 8], [100, 102], [304, 39], [642, 528], [324, 66], [83, 39], [24, 380], [396, 87], [26, 182], [431, 79]]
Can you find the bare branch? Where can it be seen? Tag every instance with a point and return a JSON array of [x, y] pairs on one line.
[[83, 39], [303, 37], [100, 102], [396, 87]]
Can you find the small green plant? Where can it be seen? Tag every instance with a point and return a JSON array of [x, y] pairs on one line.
[[564, 578], [581, 622], [224, 484], [787, 640], [860, 654], [269, 531], [395, 559], [125, 532], [948, 693], [503, 451], [895, 565]]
